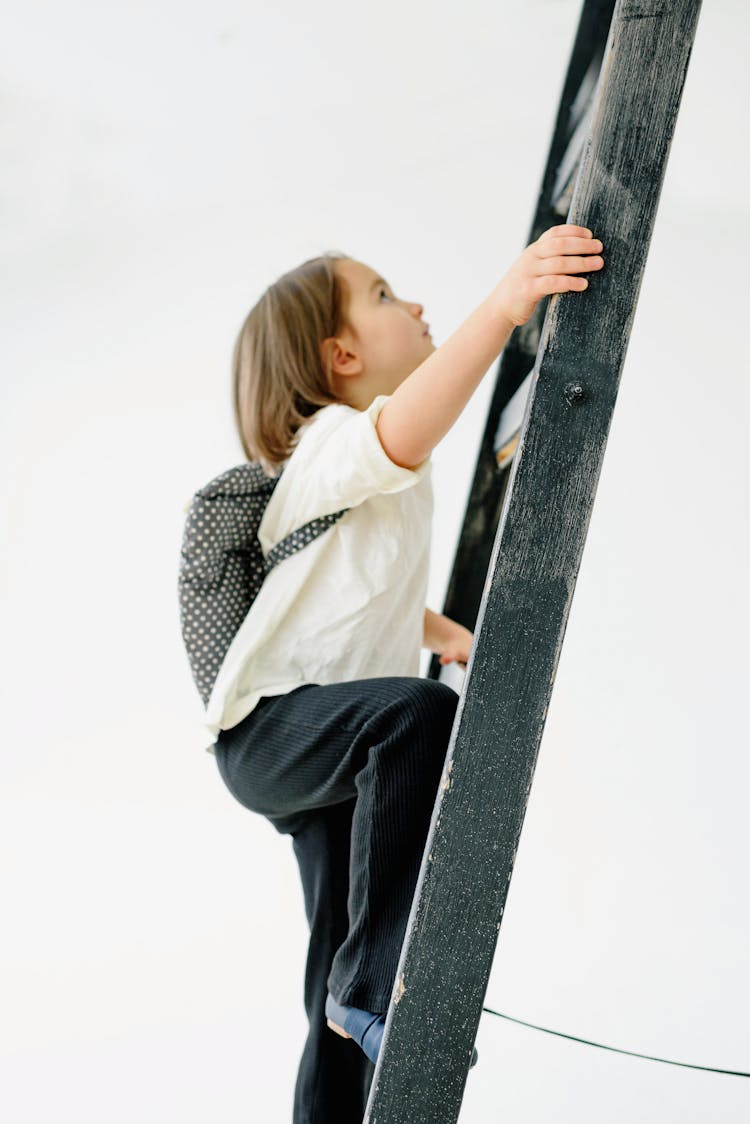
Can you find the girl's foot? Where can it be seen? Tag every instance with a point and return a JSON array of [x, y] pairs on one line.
[[365, 1027]]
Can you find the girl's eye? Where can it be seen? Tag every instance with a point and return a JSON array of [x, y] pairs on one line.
[[383, 293]]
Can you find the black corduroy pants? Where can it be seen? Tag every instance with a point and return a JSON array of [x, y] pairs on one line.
[[351, 772]]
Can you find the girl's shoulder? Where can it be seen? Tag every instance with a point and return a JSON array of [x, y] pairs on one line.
[[324, 419], [332, 410]]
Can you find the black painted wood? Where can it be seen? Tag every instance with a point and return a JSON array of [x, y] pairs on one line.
[[453, 928]]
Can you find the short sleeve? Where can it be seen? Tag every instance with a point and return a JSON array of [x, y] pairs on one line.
[[338, 463]]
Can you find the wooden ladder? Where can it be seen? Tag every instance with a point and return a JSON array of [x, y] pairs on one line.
[[522, 539]]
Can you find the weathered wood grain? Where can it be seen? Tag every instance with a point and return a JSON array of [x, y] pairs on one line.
[[528, 584]]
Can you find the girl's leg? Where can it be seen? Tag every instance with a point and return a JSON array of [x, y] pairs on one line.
[[382, 741], [334, 1075]]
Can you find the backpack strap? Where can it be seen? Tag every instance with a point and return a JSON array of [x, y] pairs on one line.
[[295, 540]]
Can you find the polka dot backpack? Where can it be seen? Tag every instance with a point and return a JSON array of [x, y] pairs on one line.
[[222, 566]]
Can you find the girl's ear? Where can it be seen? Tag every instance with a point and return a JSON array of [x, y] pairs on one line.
[[338, 358]]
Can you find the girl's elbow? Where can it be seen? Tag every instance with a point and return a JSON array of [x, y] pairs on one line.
[[396, 450]]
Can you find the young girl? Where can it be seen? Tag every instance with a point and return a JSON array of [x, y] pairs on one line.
[[322, 722]]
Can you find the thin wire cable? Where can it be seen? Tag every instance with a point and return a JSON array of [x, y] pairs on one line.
[[614, 1049]]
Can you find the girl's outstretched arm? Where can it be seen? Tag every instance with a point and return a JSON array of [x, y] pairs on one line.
[[423, 408]]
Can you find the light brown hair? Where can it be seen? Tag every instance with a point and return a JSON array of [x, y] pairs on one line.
[[278, 377]]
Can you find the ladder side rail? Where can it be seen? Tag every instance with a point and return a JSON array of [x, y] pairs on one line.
[[453, 927]]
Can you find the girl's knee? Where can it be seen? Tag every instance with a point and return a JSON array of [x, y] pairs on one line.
[[435, 702], [418, 712], [440, 694]]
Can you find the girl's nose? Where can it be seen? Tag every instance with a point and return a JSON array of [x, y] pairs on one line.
[[417, 309]]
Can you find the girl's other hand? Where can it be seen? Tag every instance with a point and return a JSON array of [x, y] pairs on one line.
[[547, 266], [446, 638], [457, 645]]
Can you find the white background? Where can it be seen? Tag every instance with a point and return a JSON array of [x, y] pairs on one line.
[[162, 163]]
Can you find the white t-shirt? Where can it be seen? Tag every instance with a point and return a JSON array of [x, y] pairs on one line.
[[350, 604]]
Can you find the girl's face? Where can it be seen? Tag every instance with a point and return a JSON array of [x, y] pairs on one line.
[[385, 341]]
